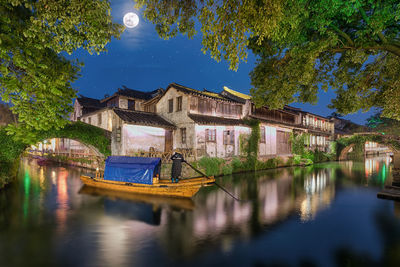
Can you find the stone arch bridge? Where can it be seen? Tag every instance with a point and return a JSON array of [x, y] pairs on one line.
[[97, 139], [393, 142]]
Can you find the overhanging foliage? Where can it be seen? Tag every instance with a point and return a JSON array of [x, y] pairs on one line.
[[79, 131], [352, 46], [35, 76]]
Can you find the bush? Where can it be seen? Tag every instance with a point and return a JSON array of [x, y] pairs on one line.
[[211, 165], [10, 149], [279, 161], [227, 169], [237, 165], [290, 161], [269, 164], [296, 159], [308, 155]]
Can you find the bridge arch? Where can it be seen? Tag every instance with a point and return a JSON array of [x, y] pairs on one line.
[[97, 139], [344, 145]]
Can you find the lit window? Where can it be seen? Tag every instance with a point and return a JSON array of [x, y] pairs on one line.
[[183, 135], [210, 135], [229, 137], [262, 135], [170, 105], [179, 103]]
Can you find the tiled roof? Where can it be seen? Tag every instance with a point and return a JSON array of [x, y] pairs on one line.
[[211, 120], [90, 102], [138, 94], [205, 93], [236, 93], [143, 118]]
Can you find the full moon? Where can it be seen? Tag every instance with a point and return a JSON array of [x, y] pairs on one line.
[[131, 20]]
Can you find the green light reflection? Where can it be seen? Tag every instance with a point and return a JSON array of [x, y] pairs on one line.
[[27, 184]]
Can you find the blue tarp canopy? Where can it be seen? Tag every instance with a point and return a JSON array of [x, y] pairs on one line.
[[132, 169]]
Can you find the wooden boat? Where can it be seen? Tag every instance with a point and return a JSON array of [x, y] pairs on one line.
[[156, 201], [185, 188], [141, 176]]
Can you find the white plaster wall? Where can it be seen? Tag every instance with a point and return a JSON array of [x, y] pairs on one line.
[[216, 149], [77, 111], [123, 103], [137, 138], [269, 147], [270, 140]]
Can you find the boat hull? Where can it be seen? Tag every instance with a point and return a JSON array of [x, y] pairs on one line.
[[185, 188]]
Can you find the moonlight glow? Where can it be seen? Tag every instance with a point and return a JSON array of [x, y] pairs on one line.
[[131, 20]]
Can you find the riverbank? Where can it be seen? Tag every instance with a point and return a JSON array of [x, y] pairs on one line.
[[213, 166], [8, 172]]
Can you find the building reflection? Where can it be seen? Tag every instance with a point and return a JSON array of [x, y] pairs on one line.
[[319, 193], [272, 198], [62, 199], [218, 218], [122, 229]]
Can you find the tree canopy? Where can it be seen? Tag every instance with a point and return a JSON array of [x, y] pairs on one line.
[[35, 76], [352, 46], [384, 125]]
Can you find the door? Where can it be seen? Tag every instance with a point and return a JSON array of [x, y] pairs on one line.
[[168, 141], [282, 142]]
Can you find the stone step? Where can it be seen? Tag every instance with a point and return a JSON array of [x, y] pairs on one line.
[[390, 192]]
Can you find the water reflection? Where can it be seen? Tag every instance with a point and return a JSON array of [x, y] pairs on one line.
[[49, 212]]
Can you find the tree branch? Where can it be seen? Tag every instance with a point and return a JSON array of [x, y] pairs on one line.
[[366, 19], [343, 34], [385, 47]]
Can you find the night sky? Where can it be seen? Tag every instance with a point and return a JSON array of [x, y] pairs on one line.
[[141, 60]]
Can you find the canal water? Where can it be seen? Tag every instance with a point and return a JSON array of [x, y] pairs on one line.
[[322, 215]]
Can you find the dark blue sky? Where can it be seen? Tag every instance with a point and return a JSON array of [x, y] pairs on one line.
[[141, 60]]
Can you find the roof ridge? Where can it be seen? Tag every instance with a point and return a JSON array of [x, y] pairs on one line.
[[202, 93], [137, 111], [82, 96], [236, 93]]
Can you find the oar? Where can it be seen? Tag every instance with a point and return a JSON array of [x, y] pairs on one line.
[[220, 186]]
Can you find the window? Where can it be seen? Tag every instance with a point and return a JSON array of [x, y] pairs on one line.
[[262, 135], [170, 105], [229, 137], [227, 109], [210, 135], [99, 119], [219, 108], [183, 135], [202, 106], [239, 110], [179, 103], [131, 104]]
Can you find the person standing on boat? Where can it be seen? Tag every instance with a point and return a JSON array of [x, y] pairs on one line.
[[176, 171]]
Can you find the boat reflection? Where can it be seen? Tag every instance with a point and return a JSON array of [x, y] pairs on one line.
[[133, 211], [175, 203]]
